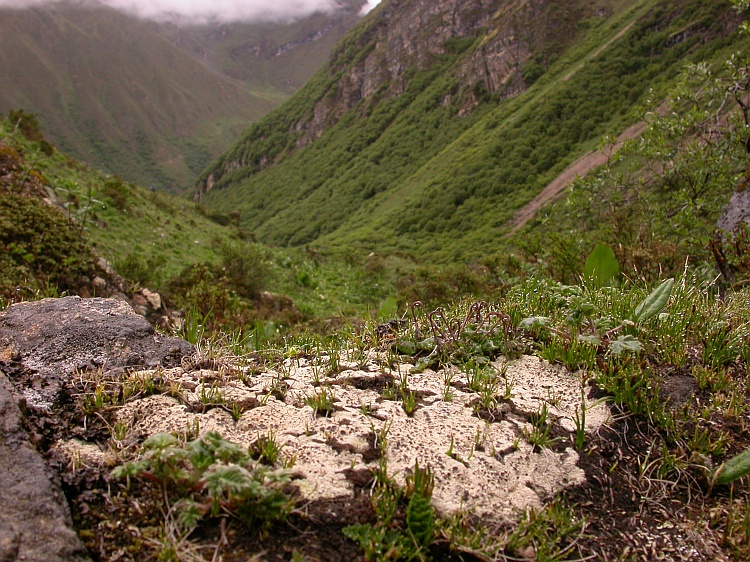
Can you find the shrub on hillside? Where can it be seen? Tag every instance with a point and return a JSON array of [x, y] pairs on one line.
[[39, 246], [27, 123], [436, 287]]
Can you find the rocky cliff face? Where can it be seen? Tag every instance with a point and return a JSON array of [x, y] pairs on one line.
[[490, 40]]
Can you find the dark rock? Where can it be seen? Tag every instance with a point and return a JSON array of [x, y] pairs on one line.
[[54, 338], [35, 523], [736, 212], [42, 345]]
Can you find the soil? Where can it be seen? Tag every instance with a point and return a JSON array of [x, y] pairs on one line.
[[579, 168]]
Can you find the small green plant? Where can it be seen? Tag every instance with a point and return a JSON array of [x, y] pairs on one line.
[[601, 266], [733, 469], [550, 533], [539, 435], [580, 421], [321, 400], [409, 401], [210, 477], [394, 538], [266, 448]]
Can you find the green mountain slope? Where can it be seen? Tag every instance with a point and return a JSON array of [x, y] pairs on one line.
[[273, 58], [119, 93], [429, 141]]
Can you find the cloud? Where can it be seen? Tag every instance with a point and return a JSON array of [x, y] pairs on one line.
[[369, 6], [212, 10]]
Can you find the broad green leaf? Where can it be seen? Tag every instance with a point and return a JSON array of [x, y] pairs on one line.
[[654, 303], [406, 347], [601, 266], [624, 343], [734, 468], [388, 309], [590, 339]]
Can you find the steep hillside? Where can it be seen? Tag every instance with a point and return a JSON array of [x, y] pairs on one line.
[[270, 57], [431, 126], [117, 91]]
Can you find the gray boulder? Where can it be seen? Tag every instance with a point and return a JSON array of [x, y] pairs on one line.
[[53, 338], [42, 345], [35, 523], [737, 211]]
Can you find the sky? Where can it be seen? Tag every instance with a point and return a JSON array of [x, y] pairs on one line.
[[207, 10]]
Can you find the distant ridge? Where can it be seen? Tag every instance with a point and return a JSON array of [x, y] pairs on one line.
[[136, 98], [433, 124]]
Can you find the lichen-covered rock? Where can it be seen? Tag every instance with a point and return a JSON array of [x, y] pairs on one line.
[[487, 466], [35, 523], [51, 339]]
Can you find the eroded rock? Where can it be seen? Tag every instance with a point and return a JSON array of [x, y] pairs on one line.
[[35, 523], [51, 339], [483, 459], [487, 466]]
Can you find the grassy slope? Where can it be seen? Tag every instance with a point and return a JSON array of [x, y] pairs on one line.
[[411, 175], [169, 233], [117, 95]]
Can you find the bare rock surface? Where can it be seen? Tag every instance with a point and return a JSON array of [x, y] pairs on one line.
[[35, 523], [487, 465], [484, 459], [42, 345], [53, 338], [736, 212]]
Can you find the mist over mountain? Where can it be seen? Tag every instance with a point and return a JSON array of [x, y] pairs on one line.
[[207, 11], [155, 102]]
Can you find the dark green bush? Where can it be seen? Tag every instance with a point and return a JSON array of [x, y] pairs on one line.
[[39, 246], [117, 192], [140, 269], [27, 123]]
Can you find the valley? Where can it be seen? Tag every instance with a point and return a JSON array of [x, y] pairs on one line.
[[152, 102], [459, 294]]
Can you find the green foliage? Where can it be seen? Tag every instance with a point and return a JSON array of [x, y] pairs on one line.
[[601, 266], [734, 468], [551, 532], [140, 269], [39, 246], [394, 539], [657, 201], [117, 192], [532, 71], [654, 303], [244, 267], [210, 477], [420, 173], [27, 123]]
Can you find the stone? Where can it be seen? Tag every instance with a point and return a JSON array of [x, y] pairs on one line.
[[35, 522], [153, 298], [737, 211], [51, 339], [491, 470]]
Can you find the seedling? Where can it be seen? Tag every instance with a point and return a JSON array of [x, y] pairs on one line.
[[266, 449], [321, 400], [409, 401], [580, 421], [539, 436]]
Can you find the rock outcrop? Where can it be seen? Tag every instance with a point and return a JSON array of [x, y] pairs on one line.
[[35, 522], [43, 345], [484, 463], [52, 339]]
